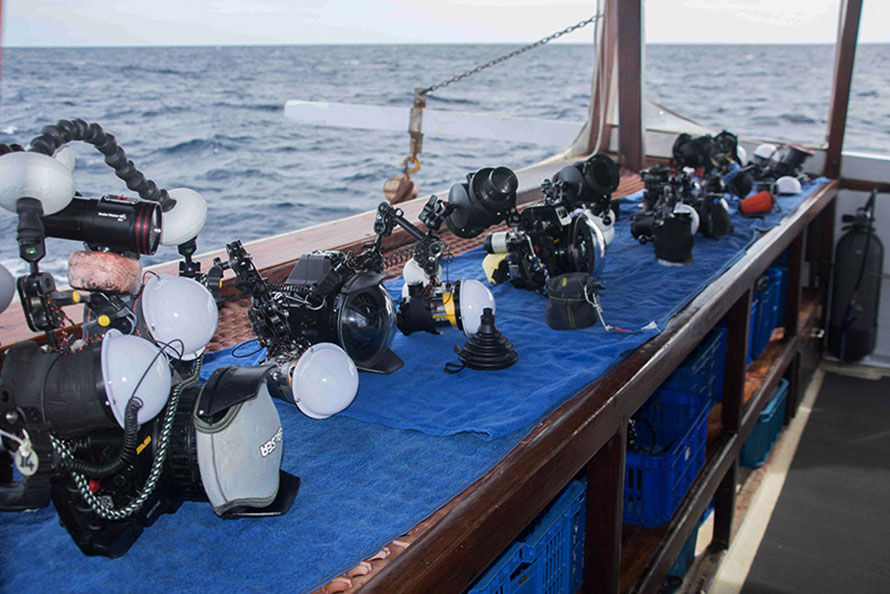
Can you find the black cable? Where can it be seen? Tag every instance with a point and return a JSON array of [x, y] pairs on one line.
[[124, 457], [131, 430], [56, 135]]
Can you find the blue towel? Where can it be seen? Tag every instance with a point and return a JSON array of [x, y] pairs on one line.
[[552, 364], [363, 483], [362, 486]]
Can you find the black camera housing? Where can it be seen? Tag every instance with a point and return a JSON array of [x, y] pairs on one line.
[[325, 299], [546, 241]]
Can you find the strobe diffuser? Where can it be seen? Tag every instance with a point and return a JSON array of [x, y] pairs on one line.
[[178, 313], [322, 382], [7, 287], [459, 304], [90, 389], [483, 200]]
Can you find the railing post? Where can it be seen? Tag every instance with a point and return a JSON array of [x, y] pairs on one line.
[[733, 395], [605, 504], [630, 82], [845, 55]]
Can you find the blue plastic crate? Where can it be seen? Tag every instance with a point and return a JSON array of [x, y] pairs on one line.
[[767, 429], [702, 371], [670, 451], [752, 328], [548, 556], [782, 296], [687, 553], [765, 318]]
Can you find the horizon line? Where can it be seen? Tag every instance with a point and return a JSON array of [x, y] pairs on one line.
[[413, 43]]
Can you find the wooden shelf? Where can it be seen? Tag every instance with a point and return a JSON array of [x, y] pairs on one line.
[[640, 545]]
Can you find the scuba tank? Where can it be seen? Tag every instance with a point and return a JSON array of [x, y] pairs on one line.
[[856, 291]]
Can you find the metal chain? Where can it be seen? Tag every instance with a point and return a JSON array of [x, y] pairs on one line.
[[512, 54], [109, 513]]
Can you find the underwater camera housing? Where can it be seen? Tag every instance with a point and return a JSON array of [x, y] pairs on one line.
[[771, 163], [671, 213], [327, 297], [110, 477], [546, 241], [717, 154], [569, 232]]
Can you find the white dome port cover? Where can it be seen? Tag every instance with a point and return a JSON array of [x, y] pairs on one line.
[[324, 381], [32, 175], [125, 360], [176, 308]]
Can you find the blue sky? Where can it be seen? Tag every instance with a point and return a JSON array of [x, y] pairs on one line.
[[222, 22]]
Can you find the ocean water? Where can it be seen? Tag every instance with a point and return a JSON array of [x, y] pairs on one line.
[[211, 118]]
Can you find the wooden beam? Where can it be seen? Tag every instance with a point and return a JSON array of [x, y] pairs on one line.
[[630, 81], [605, 504], [845, 55]]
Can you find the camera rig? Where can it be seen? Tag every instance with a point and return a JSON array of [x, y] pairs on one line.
[[329, 296], [569, 232], [675, 206], [107, 427]]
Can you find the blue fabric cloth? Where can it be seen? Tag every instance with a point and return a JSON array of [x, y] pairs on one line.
[[365, 483], [552, 364], [362, 486]]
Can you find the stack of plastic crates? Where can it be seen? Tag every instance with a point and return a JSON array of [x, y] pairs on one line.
[[702, 371], [767, 429], [549, 556], [666, 455]]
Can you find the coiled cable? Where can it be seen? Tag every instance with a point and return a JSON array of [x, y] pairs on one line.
[[127, 451]]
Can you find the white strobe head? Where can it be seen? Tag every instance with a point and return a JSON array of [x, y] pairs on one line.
[[473, 298], [25, 174], [7, 287], [185, 220], [125, 359], [324, 381], [177, 308]]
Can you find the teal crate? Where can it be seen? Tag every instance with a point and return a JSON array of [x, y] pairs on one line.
[[767, 429], [702, 371], [548, 556], [668, 453]]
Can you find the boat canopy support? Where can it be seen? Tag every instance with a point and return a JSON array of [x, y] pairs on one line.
[[845, 56]]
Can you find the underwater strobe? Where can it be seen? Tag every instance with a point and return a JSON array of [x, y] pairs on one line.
[[569, 232], [110, 427], [459, 304]]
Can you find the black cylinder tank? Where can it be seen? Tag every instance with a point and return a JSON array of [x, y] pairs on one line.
[[856, 288]]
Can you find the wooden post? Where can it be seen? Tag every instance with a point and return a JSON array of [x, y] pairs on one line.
[[630, 78], [793, 285], [605, 503], [733, 394], [845, 54]]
